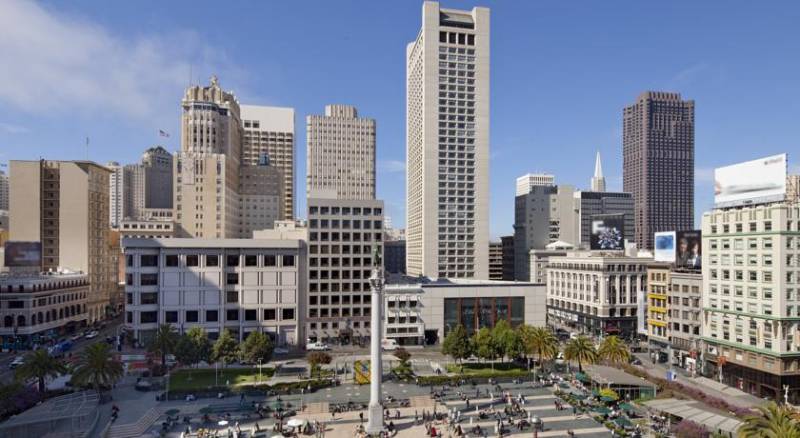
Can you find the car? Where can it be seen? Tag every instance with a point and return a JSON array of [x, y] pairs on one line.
[[280, 350], [76, 338], [19, 360], [388, 345], [635, 361], [317, 346], [92, 334]]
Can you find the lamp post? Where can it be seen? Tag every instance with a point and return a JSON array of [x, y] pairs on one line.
[[536, 422], [375, 410]]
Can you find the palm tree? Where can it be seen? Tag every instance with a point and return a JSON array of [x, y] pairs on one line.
[[541, 342], [164, 342], [582, 350], [613, 350], [40, 365], [772, 421], [96, 367]]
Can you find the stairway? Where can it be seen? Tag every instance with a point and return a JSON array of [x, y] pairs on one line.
[[132, 430]]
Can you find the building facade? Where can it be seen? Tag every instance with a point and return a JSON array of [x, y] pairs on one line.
[[508, 257], [155, 223], [591, 205], [422, 311], [394, 256], [598, 293], [447, 144], [64, 205], [525, 182], [341, 154], [751, 301], [261, 193], [685, 307], [658, 291], [269, 132], [496, 261], [4, 200], [206, 170], [541, 257], [242, 285], [792, 188], [38, 307], [117, 192], [344, 239], [658, 163], [542, 216]]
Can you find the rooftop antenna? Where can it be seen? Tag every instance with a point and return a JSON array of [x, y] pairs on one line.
[[87, 148]]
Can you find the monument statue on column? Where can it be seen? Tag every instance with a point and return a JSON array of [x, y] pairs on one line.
[[375, 410]]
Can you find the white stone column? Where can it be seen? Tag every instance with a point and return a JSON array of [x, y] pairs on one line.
[[375, 410]]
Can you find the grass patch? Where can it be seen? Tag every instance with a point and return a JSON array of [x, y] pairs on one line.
[[483, 369], [189, 379]]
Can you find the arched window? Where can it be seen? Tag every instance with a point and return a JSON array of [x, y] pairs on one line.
[[21, 321], [61, 313]]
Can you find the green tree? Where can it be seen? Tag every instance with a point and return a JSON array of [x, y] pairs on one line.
[[186, 351], [225, 349], [402, 355], [163, 342], [316, 359], [96, 367], [772, 421], [457, 344], [257, 347], [541, 342], [580, 350], [613, 350], [202, 344], [486, 346], [40, 365], [501, 337]]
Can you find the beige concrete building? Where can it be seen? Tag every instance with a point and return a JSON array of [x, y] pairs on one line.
[[529, 180], [64, 205], [269, 132], [3, 191], [496, 261], [341, 154], [792, 188], [261, 192], [447, 144], [206, 171], [154, 223]]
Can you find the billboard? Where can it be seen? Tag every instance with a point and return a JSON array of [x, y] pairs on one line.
[[23, 254], [689, 249], [752, 182], [664, 246], [607, 233]]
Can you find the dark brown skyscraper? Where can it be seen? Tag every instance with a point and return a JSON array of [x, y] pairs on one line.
[[658, 163]]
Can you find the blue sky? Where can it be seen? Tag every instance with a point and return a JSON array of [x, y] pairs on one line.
[[561, 73]]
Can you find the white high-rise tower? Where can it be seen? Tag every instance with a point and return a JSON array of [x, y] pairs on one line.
[[447, 144], [598, 180]]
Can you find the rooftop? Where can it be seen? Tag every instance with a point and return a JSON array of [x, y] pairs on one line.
[[399, 281], [209, 243]]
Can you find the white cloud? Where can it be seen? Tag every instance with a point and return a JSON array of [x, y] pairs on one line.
[[54, 62], [392, 166], [9, 128]]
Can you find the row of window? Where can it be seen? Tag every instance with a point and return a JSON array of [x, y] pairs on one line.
[[213, 260], [172, 316], [345, 211]]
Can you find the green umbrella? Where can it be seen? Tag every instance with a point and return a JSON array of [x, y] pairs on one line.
[[582, 377], [579, 396], [602, 410], [607, 399], [626, 407], [172, 412], [623, 422]]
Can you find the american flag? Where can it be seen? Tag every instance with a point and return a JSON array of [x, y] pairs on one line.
[[163, 133]]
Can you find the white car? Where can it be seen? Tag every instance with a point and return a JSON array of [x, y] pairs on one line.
[[92, 334], [19, 360], [317, 346], [388, 345], [76, 338]]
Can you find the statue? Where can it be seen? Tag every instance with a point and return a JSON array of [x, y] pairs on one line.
[[214, 81], [376, 257]]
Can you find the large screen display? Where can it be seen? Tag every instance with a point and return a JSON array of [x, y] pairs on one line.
[[664, 246], [607, 234], [689, 252], [23, 254], [752, 182]]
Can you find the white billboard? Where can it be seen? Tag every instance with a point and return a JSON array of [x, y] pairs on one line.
[[664, 246], [752, 182]]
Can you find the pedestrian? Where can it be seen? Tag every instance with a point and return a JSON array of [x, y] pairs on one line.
[[397, 414], [361, 417]]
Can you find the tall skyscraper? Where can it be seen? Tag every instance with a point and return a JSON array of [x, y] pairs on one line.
[[269, 132], [117, 192], [3, 191], [64, 205], [156, 168], [658, 163], [341, 154], [598, 180], [525, 182], [206, 170], [447, 144], [261, 193]]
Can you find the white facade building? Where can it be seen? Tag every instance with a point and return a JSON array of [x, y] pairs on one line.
[[116, 197], [242, 285], [447, 144], [525, 182]]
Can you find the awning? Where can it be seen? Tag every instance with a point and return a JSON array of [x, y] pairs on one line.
[[693, 411]]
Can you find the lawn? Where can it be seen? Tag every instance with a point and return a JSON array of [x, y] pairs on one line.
[[189, 379], [500, 369]]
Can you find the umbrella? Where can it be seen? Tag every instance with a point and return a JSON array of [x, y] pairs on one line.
[[626, 406], [172, 412], [582, 377], [296, 422], [607, 398], [222, 423], [623, 422], [602, 410]]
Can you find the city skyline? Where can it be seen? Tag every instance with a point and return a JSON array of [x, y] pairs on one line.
[[533, 103]]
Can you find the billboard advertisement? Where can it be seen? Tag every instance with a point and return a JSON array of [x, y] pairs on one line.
[[607, 233], [23, 254], [752, 182], [664, 246], [688, 250]]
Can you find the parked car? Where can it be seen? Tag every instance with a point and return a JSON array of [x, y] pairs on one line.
[[76, 338], [280, 350], [18, 361], [92, 334], [317, 346], [388, 345]]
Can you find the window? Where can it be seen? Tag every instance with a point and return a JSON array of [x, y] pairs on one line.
[[192, 316], [232, 260], [250, 315], [288, 260], [232, 278], [149, 261], [128, 279], [287, 314], [149, 279], [171, 260], [171, 316], [212, 315], [232, 315], [269, 314], [193, 260], [129, 260], [212, 260], [270, 260], [251, 260], [148, 317], [231, 296], [149, 298]]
